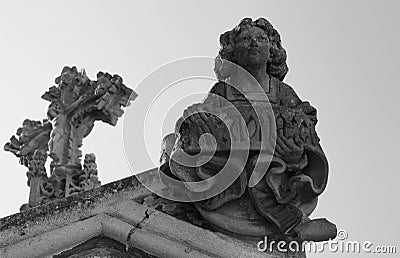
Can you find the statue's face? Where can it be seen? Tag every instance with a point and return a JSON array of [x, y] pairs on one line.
[[252, 48]]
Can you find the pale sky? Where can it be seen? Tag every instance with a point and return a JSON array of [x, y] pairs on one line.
[[343, 57]]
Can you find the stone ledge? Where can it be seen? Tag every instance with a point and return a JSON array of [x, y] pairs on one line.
[[111, 211], [70, 209], [132, 224]]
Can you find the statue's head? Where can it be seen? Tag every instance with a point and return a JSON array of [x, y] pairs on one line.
[[253, 43]]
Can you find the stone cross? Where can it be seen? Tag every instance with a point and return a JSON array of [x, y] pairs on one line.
[[76, 103]]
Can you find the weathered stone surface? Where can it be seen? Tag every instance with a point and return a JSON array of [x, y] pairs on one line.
[[280, 204], [111, 211], [103, 247], [76, 103], [77, 206]]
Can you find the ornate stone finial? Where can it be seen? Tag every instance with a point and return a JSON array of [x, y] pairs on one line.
[[89, 177], [32, 136], [280, 203], [76, 103], [37, 165]]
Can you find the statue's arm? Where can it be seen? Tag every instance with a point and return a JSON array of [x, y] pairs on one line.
[[292, 100], [312, 179]]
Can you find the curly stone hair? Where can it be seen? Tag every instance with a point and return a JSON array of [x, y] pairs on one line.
[[276, 66]]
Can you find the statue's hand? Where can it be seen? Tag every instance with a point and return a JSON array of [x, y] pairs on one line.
[[289, 149], [199, 115]]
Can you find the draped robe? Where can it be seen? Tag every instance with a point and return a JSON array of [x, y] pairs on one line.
[[288, 191]]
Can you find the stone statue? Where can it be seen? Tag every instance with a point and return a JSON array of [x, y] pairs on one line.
[[76, 103], [280, 204]]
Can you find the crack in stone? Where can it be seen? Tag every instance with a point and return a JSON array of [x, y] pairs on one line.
[[146, 217], [128, 239], [139, 225]]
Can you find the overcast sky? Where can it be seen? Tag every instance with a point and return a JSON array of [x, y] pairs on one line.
[[343, 57]]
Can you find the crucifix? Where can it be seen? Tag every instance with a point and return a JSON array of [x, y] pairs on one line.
[[76, 102]]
